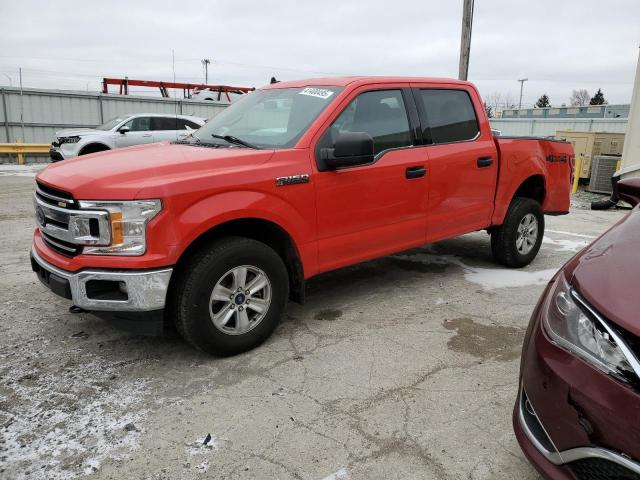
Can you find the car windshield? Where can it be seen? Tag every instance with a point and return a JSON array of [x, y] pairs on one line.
[[272, 118], [108, 125]]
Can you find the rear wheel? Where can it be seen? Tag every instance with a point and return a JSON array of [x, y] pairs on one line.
[[517, 241], [230, 296]]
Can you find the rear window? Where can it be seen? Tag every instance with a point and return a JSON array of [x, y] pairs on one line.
[[164, 123], [450, 115]]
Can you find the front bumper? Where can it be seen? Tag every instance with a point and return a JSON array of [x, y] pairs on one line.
[[571, 420], [106, 290]]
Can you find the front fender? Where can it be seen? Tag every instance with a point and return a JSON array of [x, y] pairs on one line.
[[298, 221]]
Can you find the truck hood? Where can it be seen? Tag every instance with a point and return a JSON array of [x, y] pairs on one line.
[[606, 273], [145, 171]]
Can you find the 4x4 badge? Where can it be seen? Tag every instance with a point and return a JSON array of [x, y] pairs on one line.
[[292, 179]]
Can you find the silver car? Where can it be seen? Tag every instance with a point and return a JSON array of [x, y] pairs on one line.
[[122, 131]]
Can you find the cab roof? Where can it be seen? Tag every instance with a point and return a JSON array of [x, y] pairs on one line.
[[362, 80]]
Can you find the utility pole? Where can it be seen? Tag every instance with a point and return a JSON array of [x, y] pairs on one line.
[[205, 63], [21, 106], [465, 41], [521, 80]]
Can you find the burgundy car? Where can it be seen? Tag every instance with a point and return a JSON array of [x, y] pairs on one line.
[[578, 410]]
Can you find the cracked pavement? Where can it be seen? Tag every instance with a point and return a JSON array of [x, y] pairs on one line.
[[403, 367]]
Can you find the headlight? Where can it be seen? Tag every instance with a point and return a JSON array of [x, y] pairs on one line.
[[574, 326], [127, 224], [74, 139]]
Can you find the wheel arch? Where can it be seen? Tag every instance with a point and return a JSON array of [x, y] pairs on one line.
[[533, 186], [262, 230], [94, 147]]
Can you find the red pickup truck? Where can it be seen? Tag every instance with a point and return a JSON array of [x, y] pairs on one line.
[[217, 232]]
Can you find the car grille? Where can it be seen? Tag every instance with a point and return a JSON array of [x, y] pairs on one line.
[[599, 469], [61, 199]]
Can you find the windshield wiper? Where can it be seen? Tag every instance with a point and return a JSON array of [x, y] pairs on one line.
[[235, 141]]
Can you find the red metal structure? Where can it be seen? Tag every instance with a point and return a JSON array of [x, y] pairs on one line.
[[125, 83]]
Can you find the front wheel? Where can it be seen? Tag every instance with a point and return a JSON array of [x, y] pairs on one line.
[[230, 296], [516, 242]]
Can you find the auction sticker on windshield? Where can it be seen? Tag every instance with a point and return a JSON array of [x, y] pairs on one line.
[[317, 92]]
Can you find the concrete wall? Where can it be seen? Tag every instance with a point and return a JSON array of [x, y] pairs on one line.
[[45, 111], [544, 127]]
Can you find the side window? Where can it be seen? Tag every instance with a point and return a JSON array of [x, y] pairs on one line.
[[187, 123], [381, 114], [139, 124], [450, 115], [163, 123]]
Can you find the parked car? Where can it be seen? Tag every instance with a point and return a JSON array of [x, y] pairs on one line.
[[578, 411], [217, 95], [299, 178], [122, 131]]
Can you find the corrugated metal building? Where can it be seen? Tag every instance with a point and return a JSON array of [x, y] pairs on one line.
[[42, 112], [547, 127], [589, 111]]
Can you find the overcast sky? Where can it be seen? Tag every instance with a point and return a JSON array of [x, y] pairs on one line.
[[559, 45]]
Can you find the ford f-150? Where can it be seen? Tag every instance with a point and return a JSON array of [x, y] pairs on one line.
[[216, 232]]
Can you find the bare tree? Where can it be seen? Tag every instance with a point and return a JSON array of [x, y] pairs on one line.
[[508, 100], [579, 98], [494, 100]]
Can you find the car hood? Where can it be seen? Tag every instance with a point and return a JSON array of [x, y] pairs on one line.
[[606, 273], [73, 132], [146, 171]]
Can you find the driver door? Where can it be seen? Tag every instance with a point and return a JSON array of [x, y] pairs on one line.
[[371, 210]]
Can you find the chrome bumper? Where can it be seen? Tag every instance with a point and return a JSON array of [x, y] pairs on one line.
[[537, 435], [137, 290]]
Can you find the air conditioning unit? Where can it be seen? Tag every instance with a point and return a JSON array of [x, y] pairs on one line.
[[602, 169]]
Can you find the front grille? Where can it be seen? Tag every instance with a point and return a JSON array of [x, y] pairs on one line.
[[59, 199], [60, 246], [599, 469], [53, 196]]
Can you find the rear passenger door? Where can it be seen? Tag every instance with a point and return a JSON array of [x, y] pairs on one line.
[[462, 165], [378, 208], [165, 128]]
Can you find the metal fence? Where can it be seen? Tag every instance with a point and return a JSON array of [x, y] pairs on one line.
[[542, 127], [35, 115]]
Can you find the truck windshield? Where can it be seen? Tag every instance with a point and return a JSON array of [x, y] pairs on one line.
[[272, 118]]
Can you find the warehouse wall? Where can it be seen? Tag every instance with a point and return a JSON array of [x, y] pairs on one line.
[[548, 127], [45, 111]]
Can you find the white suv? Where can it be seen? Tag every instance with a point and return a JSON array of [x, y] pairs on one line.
[[123, 131]]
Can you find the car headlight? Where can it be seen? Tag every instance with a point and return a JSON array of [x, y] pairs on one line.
[[127, 223], [74, 139], [573, 325]]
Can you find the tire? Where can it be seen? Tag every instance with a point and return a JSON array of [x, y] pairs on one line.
[[507, 245], [200, 313]]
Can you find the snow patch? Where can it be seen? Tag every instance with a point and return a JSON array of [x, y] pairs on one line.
[[487, 278], [561, 232], [342, 474], [566, 245], [65, 421], [30, 170]]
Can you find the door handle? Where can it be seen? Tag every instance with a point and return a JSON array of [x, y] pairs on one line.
[[415, 172], [146, 135], [485, 162]]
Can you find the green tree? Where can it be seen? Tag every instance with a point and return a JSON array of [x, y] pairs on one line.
[[598, 98], [489, 109], [543, 101]]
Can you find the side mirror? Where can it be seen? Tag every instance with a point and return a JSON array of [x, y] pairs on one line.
[[351, 149], [124, 129]]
